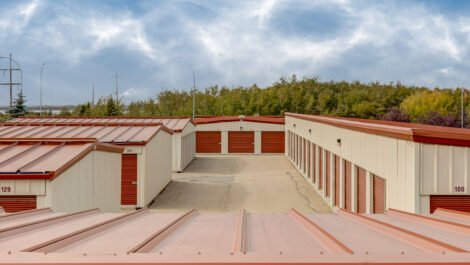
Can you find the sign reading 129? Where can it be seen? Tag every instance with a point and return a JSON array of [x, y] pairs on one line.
[[5, 189]]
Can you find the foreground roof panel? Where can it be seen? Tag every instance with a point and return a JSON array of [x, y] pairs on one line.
[[236, 238]]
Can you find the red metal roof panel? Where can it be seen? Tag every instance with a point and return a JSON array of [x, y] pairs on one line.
[[33, 158], [407, 131], [261, 119], [176, 124]]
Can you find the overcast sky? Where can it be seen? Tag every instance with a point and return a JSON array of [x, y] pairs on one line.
[[153, 44]]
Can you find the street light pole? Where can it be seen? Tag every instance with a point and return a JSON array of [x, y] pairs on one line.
[[461, 107], [194, 93], [40, 90]]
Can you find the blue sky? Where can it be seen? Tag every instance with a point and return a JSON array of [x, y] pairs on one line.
[[229, 43]]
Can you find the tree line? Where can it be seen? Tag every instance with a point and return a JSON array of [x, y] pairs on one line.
[[374, 100]]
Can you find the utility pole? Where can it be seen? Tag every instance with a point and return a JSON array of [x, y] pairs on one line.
[[117, 89], [10, 84], [461, 108], [40, 90], [194, 94]]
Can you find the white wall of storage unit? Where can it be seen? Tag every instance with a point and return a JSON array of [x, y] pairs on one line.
[[24, 186], [154, 166], [389, 158], [157, 165], [413, 171], [184, 147], [237, 126], [92, 182]]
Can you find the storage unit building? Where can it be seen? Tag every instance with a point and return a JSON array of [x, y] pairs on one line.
[[65, 175], [184, 128], [240, 134], [146, 161], [368, 166]]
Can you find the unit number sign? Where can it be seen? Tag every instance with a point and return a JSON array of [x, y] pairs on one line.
[[459, 189], [5, 189]]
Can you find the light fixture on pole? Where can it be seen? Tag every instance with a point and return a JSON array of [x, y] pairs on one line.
[[194, 86], [40, 90]]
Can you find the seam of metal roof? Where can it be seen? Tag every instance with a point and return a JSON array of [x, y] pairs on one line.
[[18, 215], [440, 224], [423, 242], [44, 156], [332, 244], [153, 240], [63, 241], [19, 154], [30, 226], [239, 239]]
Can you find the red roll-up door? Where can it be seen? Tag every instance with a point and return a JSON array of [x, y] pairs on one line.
[[208, 142], [347, 185], [13, 204], [361, 190], [327, 173], [272, 142], [129, 179], [378, 195], [320, 168], [309, 161], [241, 142], [314, 163], [450, 202], [337, 184]]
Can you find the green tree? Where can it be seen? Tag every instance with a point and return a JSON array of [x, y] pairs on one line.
[[18, 108], [112, 108]]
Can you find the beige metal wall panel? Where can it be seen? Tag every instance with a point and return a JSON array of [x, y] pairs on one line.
[[176, 146], [390, 158], [240, 126], [93, 182], [107, 180], [22, 187], [157, 167], [224, 142], [257, 142], [444, 170], [184, 147], [188, 149]]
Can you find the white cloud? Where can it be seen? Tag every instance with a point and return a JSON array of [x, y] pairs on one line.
[[28, 10], [236, 43]]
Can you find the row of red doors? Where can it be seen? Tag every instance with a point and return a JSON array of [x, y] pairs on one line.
[[239, 142], [307, 155]]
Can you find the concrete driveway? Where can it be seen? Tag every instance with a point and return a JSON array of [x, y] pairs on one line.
[[258, 183]]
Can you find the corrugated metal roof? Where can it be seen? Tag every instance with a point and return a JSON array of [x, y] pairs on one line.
[[177, 124], [407, 131], [39, 159], [236, 238], [121, 134], [262, 119]]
